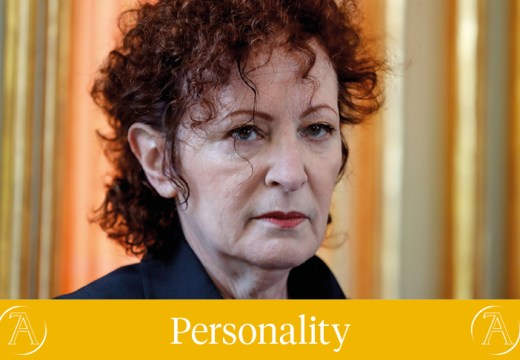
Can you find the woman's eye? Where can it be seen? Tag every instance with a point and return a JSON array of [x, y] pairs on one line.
[[318, 131], [245, 133]]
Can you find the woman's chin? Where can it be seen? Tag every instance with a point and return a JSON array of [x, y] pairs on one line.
[[282, 255]]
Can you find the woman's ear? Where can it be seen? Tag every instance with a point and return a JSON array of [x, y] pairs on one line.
[[147, 145]]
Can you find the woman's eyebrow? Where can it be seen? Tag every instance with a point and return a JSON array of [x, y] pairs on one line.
[[268, 117], [316, 108], [251, 113]]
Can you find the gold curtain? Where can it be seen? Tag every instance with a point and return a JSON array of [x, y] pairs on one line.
[[30, 96], [429, 206], [513, 233], [50, 157], [483, 216], [454, 231]]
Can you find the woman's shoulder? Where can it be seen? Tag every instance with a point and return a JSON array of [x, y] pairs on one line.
[[173, 274], [122, 283]]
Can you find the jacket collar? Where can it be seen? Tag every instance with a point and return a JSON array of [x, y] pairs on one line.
[[178, 276]]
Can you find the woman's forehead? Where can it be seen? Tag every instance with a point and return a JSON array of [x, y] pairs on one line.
[[283, 61], [279, 69], [266, 75]]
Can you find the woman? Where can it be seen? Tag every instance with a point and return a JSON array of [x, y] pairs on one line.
[[227, 145]]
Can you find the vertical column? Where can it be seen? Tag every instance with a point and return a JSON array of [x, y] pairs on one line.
[[513, 210], [34, 160], [480, 199], [413, 180], [493, 82], [56, 36], [15, 142], [30, 52], [463, 213], [393, 153], [4, 233]]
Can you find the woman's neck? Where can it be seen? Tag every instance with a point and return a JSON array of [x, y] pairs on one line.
[[257, 284], [237, 280]]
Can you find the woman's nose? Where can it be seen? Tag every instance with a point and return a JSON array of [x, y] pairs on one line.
[[287, 166]]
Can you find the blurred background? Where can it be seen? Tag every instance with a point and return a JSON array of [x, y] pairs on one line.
[[430, 203]]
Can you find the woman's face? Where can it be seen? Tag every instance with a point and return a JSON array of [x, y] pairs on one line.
[[260, 187]]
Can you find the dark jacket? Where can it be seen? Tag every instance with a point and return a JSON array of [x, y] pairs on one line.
[[182, 276]]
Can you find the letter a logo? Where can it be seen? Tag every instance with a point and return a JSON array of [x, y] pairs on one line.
[[496, 330], [23, 326], [23, 331], [497, 327]]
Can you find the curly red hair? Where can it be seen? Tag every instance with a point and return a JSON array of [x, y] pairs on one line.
[[174, 51]]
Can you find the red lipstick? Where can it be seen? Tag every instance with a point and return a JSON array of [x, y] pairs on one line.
[[284, 220]]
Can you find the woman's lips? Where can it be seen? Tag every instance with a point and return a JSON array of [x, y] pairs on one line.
[[284, 220]]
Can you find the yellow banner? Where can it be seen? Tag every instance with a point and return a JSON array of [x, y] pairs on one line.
[[265, 329]]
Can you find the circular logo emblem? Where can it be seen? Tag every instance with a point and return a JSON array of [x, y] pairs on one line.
[[495, 330], [22, 331]]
